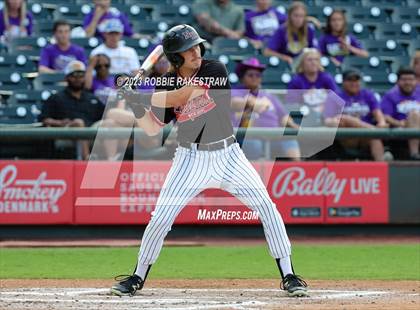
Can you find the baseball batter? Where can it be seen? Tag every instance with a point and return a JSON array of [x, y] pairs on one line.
[[208, 155]]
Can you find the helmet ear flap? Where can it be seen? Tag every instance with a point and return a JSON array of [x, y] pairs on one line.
[[176, 60], [202, 49]]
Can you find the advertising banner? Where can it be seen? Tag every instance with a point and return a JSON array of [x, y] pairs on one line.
[[36, 192]]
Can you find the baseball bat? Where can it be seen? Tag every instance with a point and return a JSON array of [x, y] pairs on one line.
[[147, 65]]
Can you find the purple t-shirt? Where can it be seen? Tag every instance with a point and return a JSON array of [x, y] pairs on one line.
[[281, 44], [269, 118], [262, 25], [112, 13], [397, 105], [329, 45], [15, 21], [103, 88], [313, 94], [55, 58], [361, 105]]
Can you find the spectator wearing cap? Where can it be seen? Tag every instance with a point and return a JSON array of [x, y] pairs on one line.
[[218, 18], [415, 64], [15, 20], [95, 21], [293, 36], [262, 23], [73, 106], [257, 108], [336, 42], [55, 57], [124, 59], [401, 106], [361, 110]]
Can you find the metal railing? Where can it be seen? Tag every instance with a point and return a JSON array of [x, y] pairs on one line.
[[7, 134]]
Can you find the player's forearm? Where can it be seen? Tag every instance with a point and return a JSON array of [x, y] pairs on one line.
[[148, 124], [176, 98]]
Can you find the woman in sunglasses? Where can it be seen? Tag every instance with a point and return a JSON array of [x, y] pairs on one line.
[[102, 83]]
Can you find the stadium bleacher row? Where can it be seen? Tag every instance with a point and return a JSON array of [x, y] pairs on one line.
[[390, 33]]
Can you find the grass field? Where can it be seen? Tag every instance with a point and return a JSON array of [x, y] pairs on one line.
[[381, 262]]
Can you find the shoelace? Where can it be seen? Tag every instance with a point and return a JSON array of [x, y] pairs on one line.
[[292, 279]]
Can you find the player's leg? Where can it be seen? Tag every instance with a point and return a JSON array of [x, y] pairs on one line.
[[187, 177], [246, 184]]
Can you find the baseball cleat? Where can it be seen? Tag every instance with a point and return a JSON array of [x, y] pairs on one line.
[[127, 285], [294, 285]]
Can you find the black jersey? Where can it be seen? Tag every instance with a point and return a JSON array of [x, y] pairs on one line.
[[206, 118]]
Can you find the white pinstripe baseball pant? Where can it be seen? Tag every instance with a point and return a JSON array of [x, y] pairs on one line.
[[193, 171]]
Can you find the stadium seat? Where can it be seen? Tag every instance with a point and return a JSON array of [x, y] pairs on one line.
[[406, 15], [49, 81], [396, 31], [12, 81], [361, 30], [369, 15], [383, 4], [18, 114], [273, 62], [337, 3], [28, 97], [384, 48], [150, 27], [232, 47], [320, 12], [379, 81], [72, 12], [275, 79], [29, 45], [87, 43], [399, 61], [173, 14], [42, 11], [43, 28], [372, 64], [329, 66], [18, 63], [413, 3], [141, 46], [225, 59]]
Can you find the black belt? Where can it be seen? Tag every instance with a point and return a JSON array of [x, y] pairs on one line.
[[213, 146]]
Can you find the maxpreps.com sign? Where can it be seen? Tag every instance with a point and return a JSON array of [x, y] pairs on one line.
[[321, 192], [36, 192]]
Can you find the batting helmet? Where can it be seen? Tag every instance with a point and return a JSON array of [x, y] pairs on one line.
[[179, 39]]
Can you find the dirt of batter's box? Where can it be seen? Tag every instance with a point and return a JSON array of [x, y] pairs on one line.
[[394, 294]]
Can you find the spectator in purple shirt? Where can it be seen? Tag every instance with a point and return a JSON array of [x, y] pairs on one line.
[[401, 106], [293, 36], [336, 42], [15, 20], [55, 57], [256, 108], [103, 11], [361, 110], [262, 23], [310, 86], [98, 79]]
